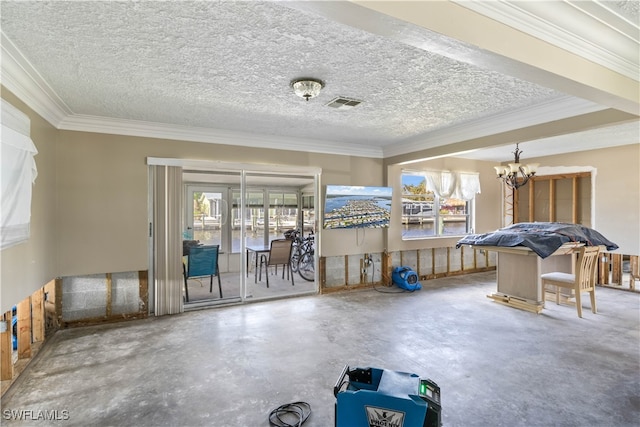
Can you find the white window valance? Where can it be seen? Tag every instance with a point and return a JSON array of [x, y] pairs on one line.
[[18, 173], [442, 183], [468, 185], [457, 185]]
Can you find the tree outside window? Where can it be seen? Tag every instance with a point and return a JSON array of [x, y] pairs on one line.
[[425, 214]]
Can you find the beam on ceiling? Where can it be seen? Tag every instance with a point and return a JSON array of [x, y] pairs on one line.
[[554, 128], [502, 48]]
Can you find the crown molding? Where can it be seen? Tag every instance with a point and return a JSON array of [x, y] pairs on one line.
[[24, 81], [216, 165], [15, 119], [559, 108], [21, 78], [83, 123], [615, 45]]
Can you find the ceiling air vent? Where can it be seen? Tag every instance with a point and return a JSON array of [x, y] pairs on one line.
[[342, 103]]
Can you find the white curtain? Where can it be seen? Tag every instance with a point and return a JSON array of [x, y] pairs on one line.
[[167, 253], [467, 186], [442, 183], [458, 185], [18, 174]]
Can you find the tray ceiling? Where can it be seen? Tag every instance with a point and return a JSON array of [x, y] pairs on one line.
[[220, 71]]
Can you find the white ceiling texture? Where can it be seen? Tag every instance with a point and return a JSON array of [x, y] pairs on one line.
[[220, 71]]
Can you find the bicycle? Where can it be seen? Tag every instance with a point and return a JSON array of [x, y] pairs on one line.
[[306, 260], [302, 254], [295, 252]]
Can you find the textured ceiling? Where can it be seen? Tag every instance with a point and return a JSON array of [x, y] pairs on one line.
[[611, 136], [227, 66]]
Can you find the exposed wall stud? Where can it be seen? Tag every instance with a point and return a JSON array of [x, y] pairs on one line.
[[552, 200], [574, 200], [108, 284], [24, 328], [37, 313], [6, 348], [532, 200], [143, 277]]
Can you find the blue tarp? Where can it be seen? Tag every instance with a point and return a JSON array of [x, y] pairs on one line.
[[544, 238]]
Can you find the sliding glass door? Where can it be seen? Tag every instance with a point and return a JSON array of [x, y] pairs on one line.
[[207, 220], [206, 214], [254, 218], [242, 214], [274, 205], [235, 207]]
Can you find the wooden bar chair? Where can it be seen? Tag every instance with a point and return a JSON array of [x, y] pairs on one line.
[[584, 279]]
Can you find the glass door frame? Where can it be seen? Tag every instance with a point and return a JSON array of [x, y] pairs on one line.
[[225, 254], [266, 191], [266, 204], [224, 190], [242, 169]]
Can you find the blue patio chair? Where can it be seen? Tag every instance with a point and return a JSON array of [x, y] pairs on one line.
[[202, 261]]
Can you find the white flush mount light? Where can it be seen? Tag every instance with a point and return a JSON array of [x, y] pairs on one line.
[[307, 88]]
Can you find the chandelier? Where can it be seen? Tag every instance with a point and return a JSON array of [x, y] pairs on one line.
[[516, 174], [307, 88]]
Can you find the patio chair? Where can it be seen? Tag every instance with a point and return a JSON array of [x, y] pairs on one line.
[[279, 254], [202, 261]]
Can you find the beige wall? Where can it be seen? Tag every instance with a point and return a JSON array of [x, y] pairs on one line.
[[488, 202], [102, 203], [26, 267], [102, 193], [617, 195], [89, 208], [90, 201], [352, 171], [617, 191]]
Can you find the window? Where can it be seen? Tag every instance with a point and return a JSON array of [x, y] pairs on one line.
[[308, 213], [436, 204], [208, 218], [254, 219], [18, 174], [264, 223], [283, 211]]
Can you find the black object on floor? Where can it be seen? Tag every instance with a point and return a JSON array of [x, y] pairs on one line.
[[283, 414]]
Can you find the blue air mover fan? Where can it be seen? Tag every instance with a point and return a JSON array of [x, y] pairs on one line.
[[405, 278]]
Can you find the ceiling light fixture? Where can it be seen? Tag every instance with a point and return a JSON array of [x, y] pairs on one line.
[[307, 88], [509, 174]]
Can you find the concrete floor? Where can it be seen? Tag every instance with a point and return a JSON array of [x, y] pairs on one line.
[[278, 287], [230, 366]]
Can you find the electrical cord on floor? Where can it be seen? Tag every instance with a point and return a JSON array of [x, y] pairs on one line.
[[388, 289], [283, 414], [373, 282], [373, 276]]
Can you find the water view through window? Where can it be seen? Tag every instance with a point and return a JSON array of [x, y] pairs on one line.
[[426, 215]]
